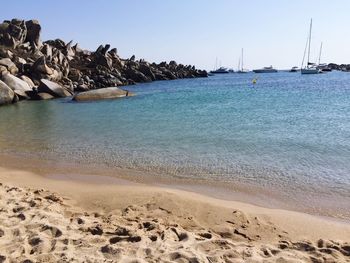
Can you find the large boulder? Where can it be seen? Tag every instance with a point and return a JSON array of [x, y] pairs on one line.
[[100, 94], [47, 51], [28, 80], [15, 83], [102, 58], [52, 88], [33, 32], [135, 75], [145, 69], [11, 67], [40, 67], [69, 51], [6, 94]]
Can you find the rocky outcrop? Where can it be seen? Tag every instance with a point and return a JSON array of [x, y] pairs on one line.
[[105, 93], [29, 66], [342, 67]]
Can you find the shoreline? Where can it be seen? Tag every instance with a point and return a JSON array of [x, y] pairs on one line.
[[250, 194], [186, 226], [38, 181]]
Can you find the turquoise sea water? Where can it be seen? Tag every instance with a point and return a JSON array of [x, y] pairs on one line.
[[288, 132]]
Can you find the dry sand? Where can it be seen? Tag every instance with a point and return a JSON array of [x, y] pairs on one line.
[[47, 220]]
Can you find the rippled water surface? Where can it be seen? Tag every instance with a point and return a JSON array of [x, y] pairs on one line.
[[289, 132]]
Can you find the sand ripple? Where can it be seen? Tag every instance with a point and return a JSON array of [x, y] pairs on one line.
[[41, 226]]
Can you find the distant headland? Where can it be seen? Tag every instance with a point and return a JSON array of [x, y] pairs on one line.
[[35, 70]]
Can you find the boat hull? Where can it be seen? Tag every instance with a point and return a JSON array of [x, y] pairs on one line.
[[309, 71], [265, 70], [218, 72]]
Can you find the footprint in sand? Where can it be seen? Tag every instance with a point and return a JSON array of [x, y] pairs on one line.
[[55, 232], [96, 230], [181, 236]]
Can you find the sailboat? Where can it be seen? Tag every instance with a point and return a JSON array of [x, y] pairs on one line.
[[219, 70], [310, 68], [322, 67], [240, 65]]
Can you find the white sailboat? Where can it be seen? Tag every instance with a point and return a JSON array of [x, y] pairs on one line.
[[220, 70], [322, 67], [240, 65], [310, 68]]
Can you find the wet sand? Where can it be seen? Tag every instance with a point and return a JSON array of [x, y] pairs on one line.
[[252, 194]]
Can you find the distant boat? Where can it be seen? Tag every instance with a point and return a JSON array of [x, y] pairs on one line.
[[221, 70], [322, 67], [265, 70], [240, 68], [310, 68], [294, 69]]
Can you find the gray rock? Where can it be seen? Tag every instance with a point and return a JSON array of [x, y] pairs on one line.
[[82, 87], [135, 75], [20, 61], [113, 52], [147, 71], [47, 51], [103, 60], [5, 53], [45, 96], [33, 32], [50, 87], [11, 67], [3, 70], [16, 84], [23, 95], [28, 80], [100, 94], [69, 51], [40, 67], [6, 94]]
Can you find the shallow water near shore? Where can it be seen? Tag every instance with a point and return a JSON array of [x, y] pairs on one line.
[[288, 134]]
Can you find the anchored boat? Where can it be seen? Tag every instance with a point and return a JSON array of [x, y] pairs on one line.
[[294, 69], [310, 67], [240, 68], [221, 70], [265, 70]]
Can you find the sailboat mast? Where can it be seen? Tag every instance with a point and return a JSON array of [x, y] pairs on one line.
[[319, 57], [308, 54], [242, 61]]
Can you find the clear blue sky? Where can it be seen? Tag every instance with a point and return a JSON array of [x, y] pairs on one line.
[[197, 31]]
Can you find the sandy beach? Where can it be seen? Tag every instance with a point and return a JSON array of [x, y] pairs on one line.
[[129, 133], [48, 220]]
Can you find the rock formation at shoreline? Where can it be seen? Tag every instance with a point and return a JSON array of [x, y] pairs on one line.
[[26, 63], [342, 67]]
